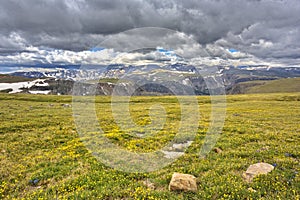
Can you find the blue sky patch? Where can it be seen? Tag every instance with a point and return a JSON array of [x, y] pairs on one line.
[[95, 49], [233, 50]]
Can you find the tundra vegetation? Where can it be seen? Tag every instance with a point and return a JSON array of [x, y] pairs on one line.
[[42, 156]]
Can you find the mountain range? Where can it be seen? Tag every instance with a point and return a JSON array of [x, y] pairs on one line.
[[175, 79]]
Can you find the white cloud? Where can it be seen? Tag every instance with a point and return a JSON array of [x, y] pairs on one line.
[[106, 56], [263, 43]]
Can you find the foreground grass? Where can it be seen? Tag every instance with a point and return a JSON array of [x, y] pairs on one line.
[[42, 157]]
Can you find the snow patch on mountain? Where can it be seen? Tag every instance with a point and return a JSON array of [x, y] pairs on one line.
[[18, 87], [39, 92]]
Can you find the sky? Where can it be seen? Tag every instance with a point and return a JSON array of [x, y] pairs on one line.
[[85, 31]]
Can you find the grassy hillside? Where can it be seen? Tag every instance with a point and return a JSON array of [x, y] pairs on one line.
[[4, 78], [273, 86], [42, 156], [281, 85]]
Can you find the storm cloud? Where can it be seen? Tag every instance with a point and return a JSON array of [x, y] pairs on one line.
[[267, 30]]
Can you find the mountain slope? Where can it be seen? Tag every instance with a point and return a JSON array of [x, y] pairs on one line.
[[5, 78], [280, 86]]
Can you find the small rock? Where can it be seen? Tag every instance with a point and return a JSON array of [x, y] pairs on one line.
[[274, 164], [66, 105], [181, 146], [149, 184], [172, 154], [3, 151], [183, 182], [257, 169], [290, 155], [217, 150], [34, 181]]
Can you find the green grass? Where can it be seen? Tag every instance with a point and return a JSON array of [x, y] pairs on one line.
[[13, 79], [42, 156], [276, 86], [108, 80]]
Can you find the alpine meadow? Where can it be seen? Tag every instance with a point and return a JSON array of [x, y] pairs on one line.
[[42, 156], [150, 100]]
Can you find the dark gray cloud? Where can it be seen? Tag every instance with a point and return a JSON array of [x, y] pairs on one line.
[[267, 29]]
